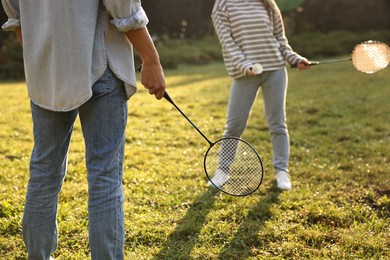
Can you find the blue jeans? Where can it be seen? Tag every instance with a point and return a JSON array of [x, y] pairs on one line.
[[242, 96], [103, 120]]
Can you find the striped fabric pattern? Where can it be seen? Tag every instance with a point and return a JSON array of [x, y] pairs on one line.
[[248, 36]]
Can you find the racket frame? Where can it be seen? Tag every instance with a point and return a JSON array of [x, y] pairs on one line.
[[169, 99], [255, 152], [313, 63]]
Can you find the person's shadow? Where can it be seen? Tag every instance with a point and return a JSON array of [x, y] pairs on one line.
[[246, 237], [182, 240]]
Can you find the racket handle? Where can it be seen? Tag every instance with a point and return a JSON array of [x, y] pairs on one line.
[[311, 63], [168, 98]]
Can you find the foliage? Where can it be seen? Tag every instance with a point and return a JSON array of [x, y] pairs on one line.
[[349, 15], [191, 19], [11, 59], [339, 207], [287, 5], [179, 19], [185, 34], [175, 52], [335, 43]]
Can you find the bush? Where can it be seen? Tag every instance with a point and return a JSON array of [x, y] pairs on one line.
[[11, 59], [335, 43], [312, 45], [174, 52]]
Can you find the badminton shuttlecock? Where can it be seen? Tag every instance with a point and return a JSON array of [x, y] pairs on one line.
[[257, 68]]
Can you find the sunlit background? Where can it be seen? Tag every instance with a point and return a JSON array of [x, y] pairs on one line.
[[183, 31]]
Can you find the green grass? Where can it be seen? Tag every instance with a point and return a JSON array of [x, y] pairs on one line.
[[339, 124]]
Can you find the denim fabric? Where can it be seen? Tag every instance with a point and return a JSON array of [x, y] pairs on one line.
[[103, 119], [242, 96]]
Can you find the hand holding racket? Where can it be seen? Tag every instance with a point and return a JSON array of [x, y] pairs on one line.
[[367, 57], [231, 164]]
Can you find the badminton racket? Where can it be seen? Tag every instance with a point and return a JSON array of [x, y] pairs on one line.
[[367, 57], [231, 164]]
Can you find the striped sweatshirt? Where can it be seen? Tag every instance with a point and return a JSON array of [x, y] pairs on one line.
[[248, 35]]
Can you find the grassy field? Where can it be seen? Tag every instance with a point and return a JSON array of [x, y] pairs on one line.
[[339, 206]]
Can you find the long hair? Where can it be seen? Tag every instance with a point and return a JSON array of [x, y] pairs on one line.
[[271, 8], [269, 4]]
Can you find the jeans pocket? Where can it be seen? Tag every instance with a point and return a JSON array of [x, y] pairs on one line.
[[104, 85]]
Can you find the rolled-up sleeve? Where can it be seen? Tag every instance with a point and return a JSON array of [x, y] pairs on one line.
[[126, 14], [11, 8]]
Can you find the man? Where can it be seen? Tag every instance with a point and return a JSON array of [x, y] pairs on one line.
[[78, 60]]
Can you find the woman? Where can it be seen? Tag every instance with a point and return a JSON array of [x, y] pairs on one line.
[[255, 51]]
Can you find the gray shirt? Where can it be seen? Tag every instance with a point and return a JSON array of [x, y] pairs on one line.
[[68, 44]]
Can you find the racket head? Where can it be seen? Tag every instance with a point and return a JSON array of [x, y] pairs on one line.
[[371, 56], [233, 166]]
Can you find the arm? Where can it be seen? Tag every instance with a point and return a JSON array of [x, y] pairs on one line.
[[291, 57], [11, 8], [222, 28], [129, 18], [19, 35], [152, 74]]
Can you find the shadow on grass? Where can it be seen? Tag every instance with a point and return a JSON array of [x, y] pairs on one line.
[[181, 241], [246, 237]]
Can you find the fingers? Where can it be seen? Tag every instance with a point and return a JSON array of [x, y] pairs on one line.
[[153, 79], [157, 92], [160, 94], [303, 65], [250, 73]]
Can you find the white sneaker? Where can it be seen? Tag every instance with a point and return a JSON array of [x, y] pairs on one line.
[[219, 179], [282, 180]]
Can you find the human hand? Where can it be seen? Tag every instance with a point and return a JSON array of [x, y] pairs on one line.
[[303, 65], [254, 71], [250, 73], [153, 79]]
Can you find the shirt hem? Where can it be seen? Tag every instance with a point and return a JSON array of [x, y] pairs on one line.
[[61, 109]]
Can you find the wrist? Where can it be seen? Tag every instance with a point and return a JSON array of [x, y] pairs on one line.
[[150, 59]]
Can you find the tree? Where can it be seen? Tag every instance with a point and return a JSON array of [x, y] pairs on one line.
[[183, 18], [3, 19], [350, 15], [191, 18]]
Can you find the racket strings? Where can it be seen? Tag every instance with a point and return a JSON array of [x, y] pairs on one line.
[[370, 57], [237, 164]]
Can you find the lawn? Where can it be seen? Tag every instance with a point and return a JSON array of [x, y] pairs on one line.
[[339, 206]]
